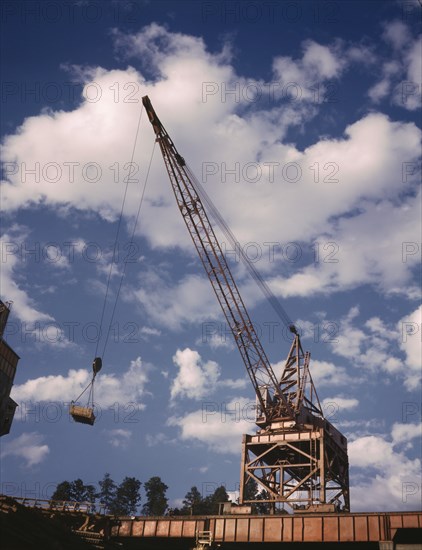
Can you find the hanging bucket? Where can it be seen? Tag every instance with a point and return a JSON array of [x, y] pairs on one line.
[[84, 415]]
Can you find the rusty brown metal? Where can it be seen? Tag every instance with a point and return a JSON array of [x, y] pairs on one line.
[[358, 527], [300, 472]]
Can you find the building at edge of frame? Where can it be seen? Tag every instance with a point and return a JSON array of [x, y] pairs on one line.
[[8, 364]]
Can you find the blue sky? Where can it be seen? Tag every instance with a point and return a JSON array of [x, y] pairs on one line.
[[302, 120]]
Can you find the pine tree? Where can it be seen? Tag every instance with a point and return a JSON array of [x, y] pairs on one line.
[[107, 492], [156, 503], [213, 501], [263, 507], [90, 494], [81, 492], [193, 502], [251, 490], [63, 491], [127, 497]]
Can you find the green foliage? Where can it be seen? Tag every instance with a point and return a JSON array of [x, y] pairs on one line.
[[62, 492], [75, 490], [251, 490], [107, 492], [122, 500], [156, 503], [252, 493], [212, 502], [193, 502], [127, 497], [263, 507], [81, 492]]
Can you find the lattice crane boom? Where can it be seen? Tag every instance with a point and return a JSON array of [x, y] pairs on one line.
[[273, 403], [298, 457]]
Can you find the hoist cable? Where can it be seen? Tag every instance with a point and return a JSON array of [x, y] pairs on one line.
[[131, 240], [268, 293], [79, 396], [117, 234]]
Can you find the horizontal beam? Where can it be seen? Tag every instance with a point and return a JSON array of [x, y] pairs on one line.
[[359, 527]]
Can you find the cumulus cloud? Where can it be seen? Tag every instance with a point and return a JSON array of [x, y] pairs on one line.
[[173, 304], [374, 345], [194, 379], [29, 446], [410, 334], [403, 433], [119, 438], [341, 403], [397, 34], [401, 76], [197, 379], [11, 262], [353, 189], [130, 386], [219, 428], [318, 64], [391, 481]]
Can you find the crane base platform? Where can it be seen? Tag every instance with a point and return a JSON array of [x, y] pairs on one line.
[[84, 415]]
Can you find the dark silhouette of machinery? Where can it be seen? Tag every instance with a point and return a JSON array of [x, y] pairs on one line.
[[297, 457]]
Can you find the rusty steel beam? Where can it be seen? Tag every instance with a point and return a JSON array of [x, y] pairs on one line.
[[358, 527]]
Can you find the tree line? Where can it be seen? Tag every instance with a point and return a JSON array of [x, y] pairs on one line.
[[124, 499]]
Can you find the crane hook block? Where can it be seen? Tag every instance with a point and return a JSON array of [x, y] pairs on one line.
[[96, 365], [293, 329]]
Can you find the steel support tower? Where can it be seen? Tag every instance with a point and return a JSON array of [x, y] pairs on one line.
[[297, 457]]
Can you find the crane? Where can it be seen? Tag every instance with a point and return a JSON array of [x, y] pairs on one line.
[[297, 456]]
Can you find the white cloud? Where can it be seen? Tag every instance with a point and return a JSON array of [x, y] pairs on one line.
[[156, 439], [215, 340], [325, 373], [401, 76], [28, 446], [397, 33], [402, 433], [148, 331], [25, 307], [410, 335], [189, 300], [220, 430], [298, 78], [377, 348], [195, 379], [341, 403], [393, 481], [119, 438], [361, 426], [129, 387], [367, 162]]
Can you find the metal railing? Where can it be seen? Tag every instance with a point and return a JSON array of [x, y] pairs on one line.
[[61, 505]]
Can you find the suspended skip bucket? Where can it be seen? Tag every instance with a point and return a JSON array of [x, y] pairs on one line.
[[84, 415]]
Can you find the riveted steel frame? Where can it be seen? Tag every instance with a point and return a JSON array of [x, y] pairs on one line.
[[297, 456]]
